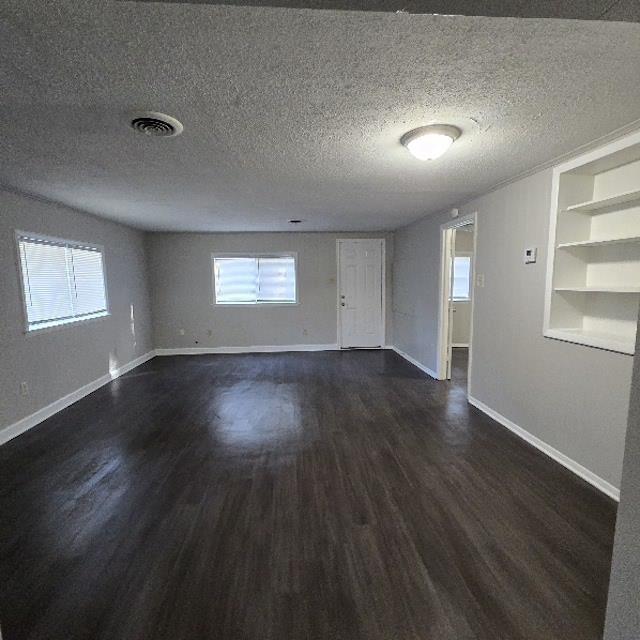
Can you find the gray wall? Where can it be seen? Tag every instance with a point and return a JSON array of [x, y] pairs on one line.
[[623, 606], [58, 361], [182, 294], [573, 397]]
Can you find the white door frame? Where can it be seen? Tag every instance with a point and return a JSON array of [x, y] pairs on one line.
[[445, 284], [383, 244]]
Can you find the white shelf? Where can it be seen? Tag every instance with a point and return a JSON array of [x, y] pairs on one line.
[[599, 243], [600, 289], [601, 311], [608, 341], [597, 206]]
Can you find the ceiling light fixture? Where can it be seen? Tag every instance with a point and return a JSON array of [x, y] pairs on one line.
[[430, 142]]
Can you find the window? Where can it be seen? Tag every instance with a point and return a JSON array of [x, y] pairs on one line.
[[255, 279], [62, 281], [461, 277]]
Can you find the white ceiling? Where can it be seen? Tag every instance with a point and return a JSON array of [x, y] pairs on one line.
[[293, 113]]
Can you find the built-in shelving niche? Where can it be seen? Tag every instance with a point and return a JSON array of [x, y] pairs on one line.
[[593, 278]]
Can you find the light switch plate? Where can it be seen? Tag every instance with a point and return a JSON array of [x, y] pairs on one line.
[[530, 255]]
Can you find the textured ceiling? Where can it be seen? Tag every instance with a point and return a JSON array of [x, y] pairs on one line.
[[573, 9], [293, 113]]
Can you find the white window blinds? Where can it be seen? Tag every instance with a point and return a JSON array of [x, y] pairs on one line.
[[62, 282], [461, 276], [255, 279]]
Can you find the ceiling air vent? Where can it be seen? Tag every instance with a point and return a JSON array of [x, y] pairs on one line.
[[157, 125]]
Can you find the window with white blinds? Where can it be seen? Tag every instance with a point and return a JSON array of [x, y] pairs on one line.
[[62, 281], [461, 277], [255, 279]]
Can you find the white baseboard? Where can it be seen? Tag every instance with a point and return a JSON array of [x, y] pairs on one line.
[[414, 362], [187, 351], [33, 419], [558, 456]]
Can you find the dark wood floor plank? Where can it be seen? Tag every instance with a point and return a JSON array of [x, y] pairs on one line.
[[300, 496]]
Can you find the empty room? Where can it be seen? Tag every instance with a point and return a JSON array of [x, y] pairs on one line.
[[318, 320]]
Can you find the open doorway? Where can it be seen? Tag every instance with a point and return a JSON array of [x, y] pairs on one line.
[[458, 246]]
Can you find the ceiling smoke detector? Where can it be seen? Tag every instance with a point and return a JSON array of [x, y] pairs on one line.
[[157, 125]]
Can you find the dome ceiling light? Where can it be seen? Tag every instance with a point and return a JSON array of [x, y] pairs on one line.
[[431, 141]]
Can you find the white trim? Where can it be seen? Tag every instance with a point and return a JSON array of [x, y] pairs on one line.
[[60, 242], [456, 345], [11, 431], [443, 302], [383, 329], [189, 351], [582, 149], [52, 325], [593, 479], [599, 152], [443, 297], [414, 362]]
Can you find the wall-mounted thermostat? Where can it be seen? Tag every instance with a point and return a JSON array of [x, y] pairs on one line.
[[530, 255]]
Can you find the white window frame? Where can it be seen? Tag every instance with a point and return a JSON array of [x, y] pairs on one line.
[[257, 304], [55, 325], [465, 254]]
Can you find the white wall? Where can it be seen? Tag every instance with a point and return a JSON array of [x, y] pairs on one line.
[[59, 361], [572, 397], [182, 293]]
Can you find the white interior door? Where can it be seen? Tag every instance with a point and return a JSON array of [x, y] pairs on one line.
[[360, 293]]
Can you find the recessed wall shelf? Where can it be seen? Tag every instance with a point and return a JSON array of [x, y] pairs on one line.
[[598, 243], [600, 289], [609, 341], [602, 204], [593, 270]]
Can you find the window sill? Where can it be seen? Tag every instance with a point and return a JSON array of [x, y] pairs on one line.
[[254, 305], [55, 325]]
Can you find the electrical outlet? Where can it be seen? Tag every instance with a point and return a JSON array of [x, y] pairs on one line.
[[24, 389], [181, 332], [305, 332], [480, 280], [209, 332]]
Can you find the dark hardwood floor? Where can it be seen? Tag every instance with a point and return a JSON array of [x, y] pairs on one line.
[[459, 365], [335, 495]]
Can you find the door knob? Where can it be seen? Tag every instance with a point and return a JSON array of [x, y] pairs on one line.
[[342, 304]]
